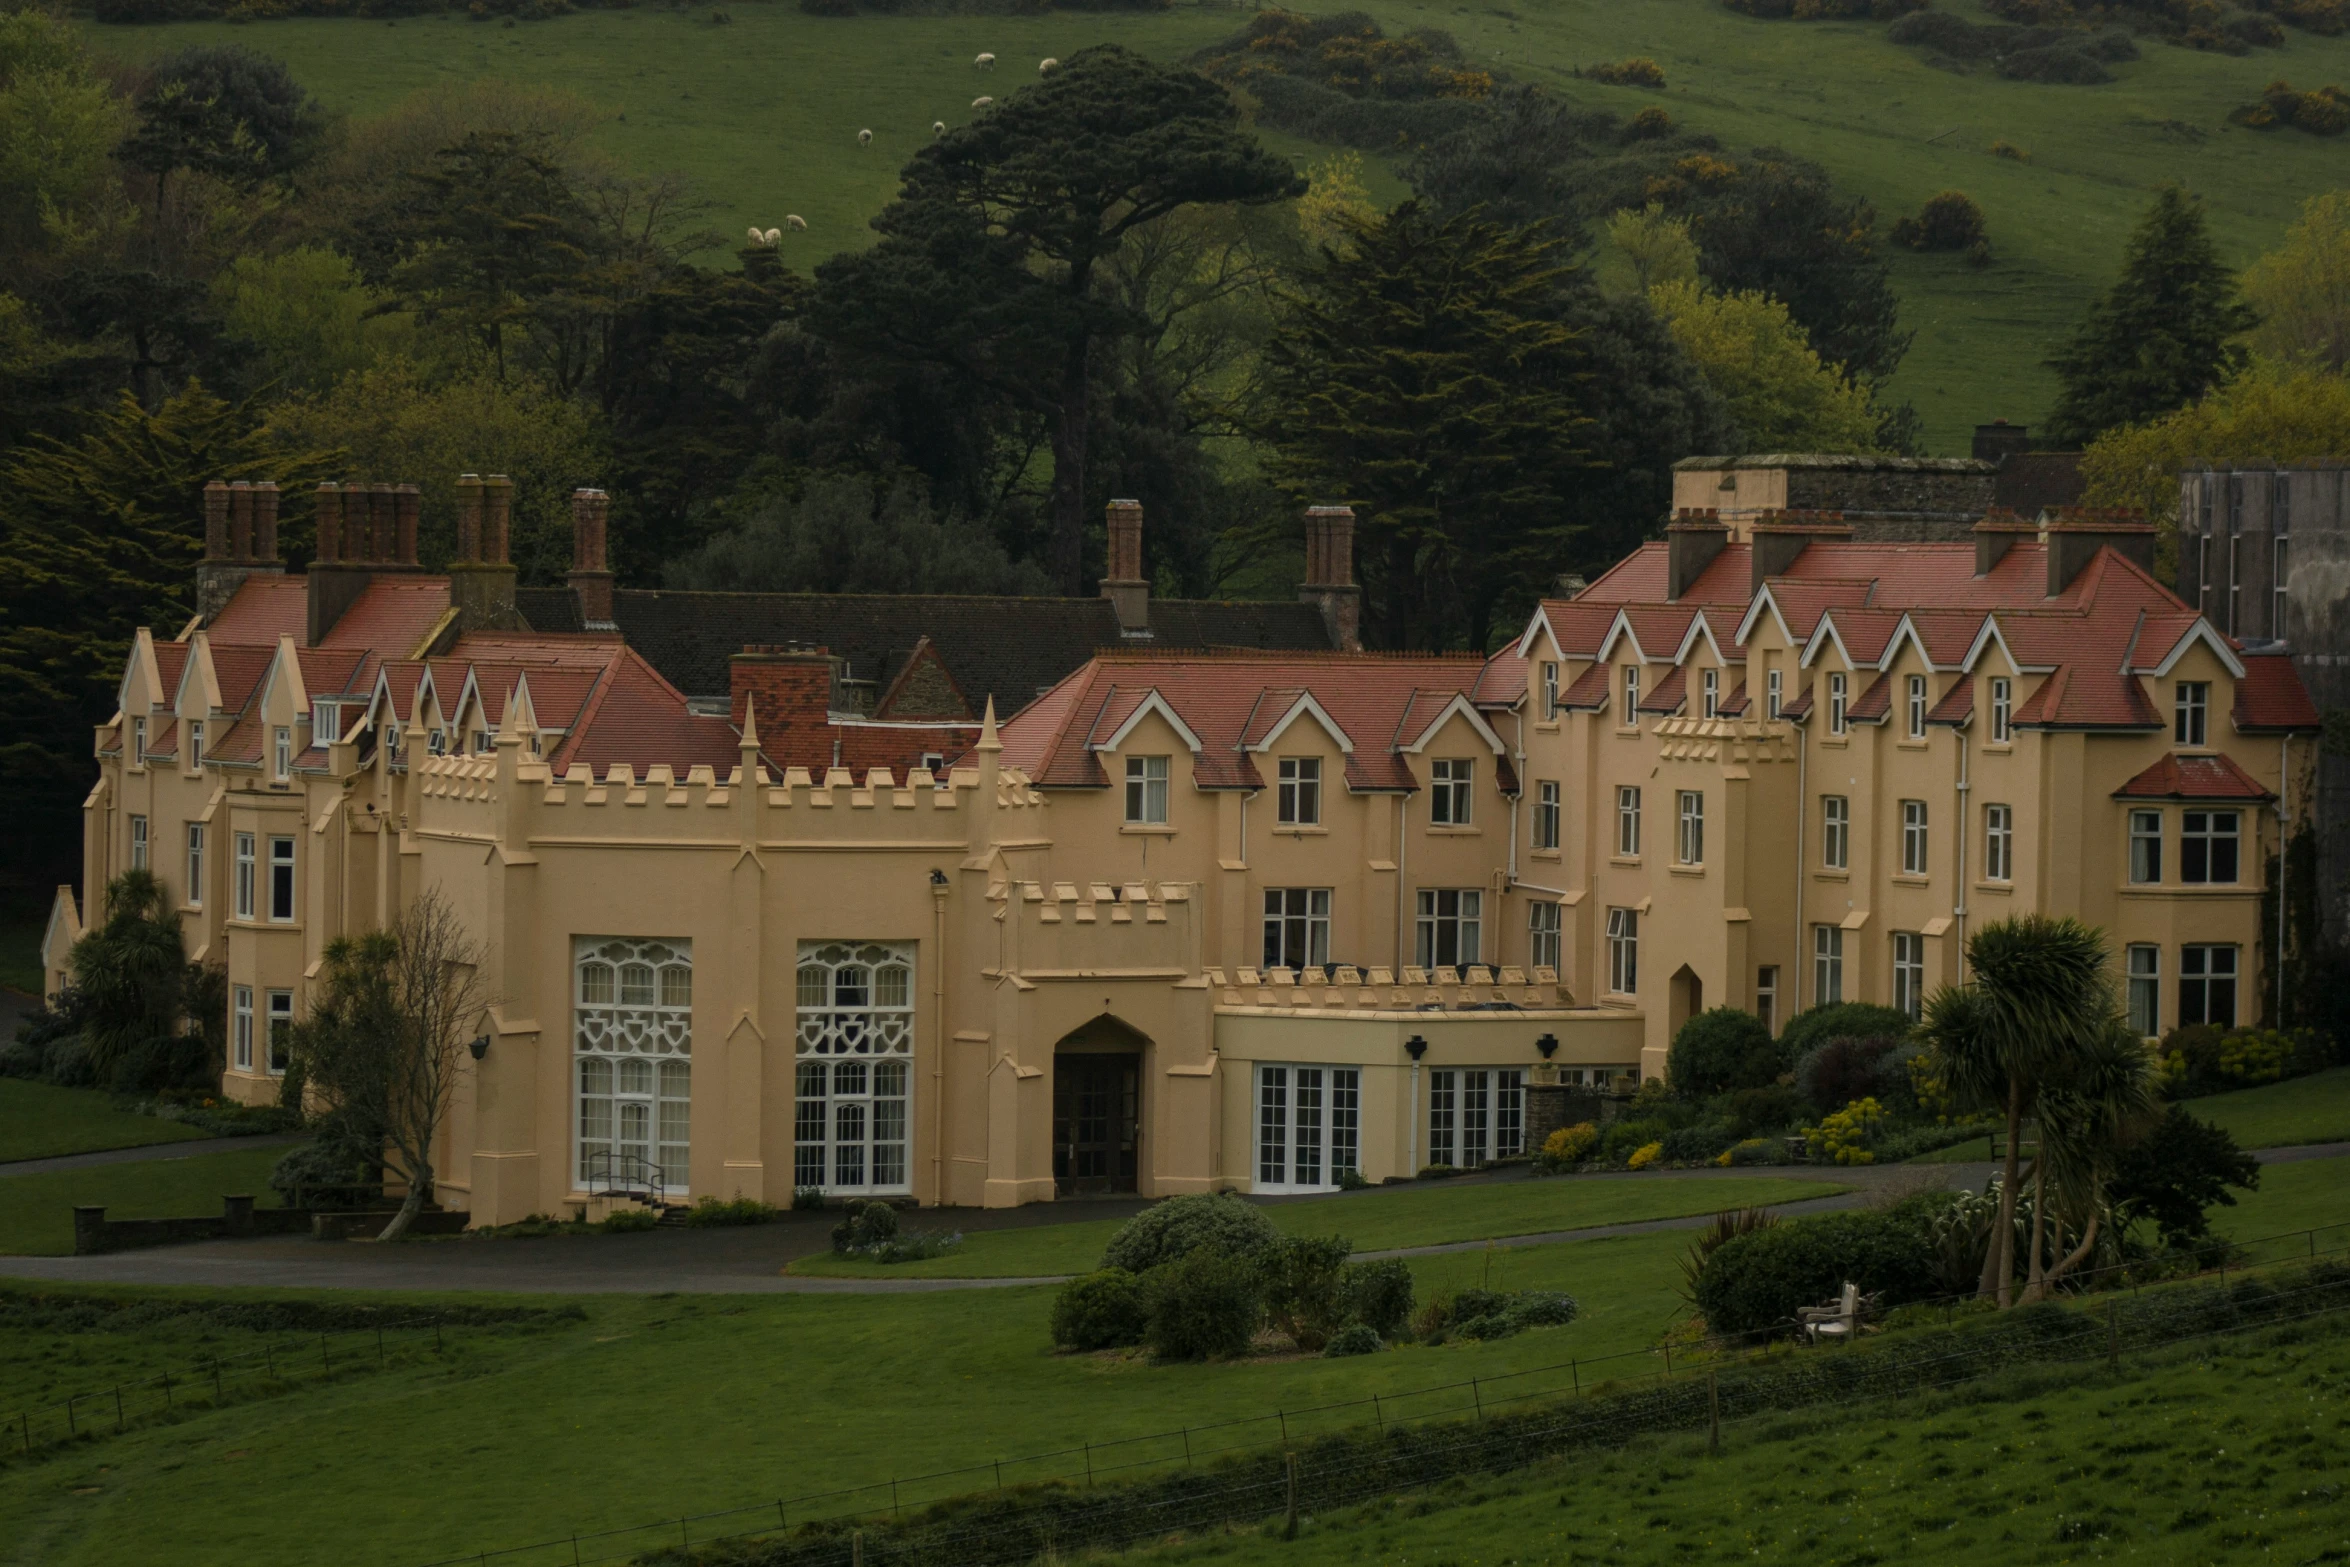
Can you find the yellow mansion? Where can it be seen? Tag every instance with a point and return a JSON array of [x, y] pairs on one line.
[[1187, 920]]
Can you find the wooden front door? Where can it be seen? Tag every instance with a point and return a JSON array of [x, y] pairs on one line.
[[1095, 1104]]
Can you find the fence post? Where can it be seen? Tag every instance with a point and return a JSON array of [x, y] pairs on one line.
[[71, 1429], [999, 1466], [25, 1423], [1289, 1529], [857, 1548], [1186, 1452], [1282, 1415], [1713, 1412], [1378, 1414], [575, 1548], [893, 1487], [167, 1390], [1668, 1357], [781, 1522], [1575, 1369], [1088, 1467], [1478, 1394]]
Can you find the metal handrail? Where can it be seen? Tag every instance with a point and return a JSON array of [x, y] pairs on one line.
[[626, 1174]]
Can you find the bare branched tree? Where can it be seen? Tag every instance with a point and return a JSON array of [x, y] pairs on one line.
[[386, 1042]]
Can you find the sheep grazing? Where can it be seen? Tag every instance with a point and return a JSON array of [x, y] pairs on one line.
[[981, 103], [774, 235], [792, 221], [757, 238], [1047, 65], [938, 127], [864, 138], [985, 62]]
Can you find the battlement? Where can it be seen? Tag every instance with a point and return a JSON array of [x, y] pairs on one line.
[[1378, 989]]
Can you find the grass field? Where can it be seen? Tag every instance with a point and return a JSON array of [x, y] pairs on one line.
[[763, 114], [2313, 1109], [36, 1211], [38, 1121], [1372, 1220], [2217, 1453]]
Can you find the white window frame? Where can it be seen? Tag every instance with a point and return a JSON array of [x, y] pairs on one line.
[[1476, 1115], [1628, 821], [1827, 973], [1631, 718], [1297, 926], [1146, 791], [1775, 684], [1309, 1126], [1998, 843], [632, 1051], [2191, 712], [1766, 996], [1915, 847], [2144, 979], [1836, 708], [1451, 791], [2002, 709], [2206, 970], [2145, 848], [1298, 796], [1623, 951], [325, 722], [1836, 832], [1692, 827], [282, 880], [138, 747], [1710, 683], [282, 752], [1550, 692], [1546, 813], [248, 875], [277, 1036], [1543, 926], [138, 843], [1917, 707], [856, 1003], [1464, 925], [2204, 835], [195, 727], [240, 1011], [1909, 973], [195, 898]]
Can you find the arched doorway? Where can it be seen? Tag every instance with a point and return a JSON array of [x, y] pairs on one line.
[[1687, 998], [1097, 1108]]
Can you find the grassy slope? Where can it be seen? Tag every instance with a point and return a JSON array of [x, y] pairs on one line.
[[38, 1121], [2218, 1456], [2313, 1109], [763, 115], [1373, 1220], [36, 1211]]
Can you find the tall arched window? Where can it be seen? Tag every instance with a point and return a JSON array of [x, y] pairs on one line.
[[854, 1084], [632, 1042]]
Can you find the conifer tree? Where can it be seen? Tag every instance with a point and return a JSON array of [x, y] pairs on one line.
[[2161, 338]]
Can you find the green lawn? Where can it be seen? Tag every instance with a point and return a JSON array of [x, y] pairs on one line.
[[2314, 1109], [39, 1121], [36, 1211], [2225, 1453], [763, 116], [1377, 1220], [2308, 1194]]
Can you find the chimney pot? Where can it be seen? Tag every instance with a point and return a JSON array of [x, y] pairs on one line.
[[216, 541], [1330, 574], [382, 529], [265, 499], [1126, 588], [591, 579]]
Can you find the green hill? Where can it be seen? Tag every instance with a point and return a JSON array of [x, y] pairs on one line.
[[763, 113]]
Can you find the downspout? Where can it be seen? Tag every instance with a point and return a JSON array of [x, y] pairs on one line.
[[938, 1028], [2284, 818], [1403, 822], [1802, 829], [1965, 784]]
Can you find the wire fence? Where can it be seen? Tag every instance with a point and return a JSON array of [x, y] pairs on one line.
[[278, 1365], [1012, 1510]]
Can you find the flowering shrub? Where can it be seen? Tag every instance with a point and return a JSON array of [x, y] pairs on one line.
[[1843, 1138], [2200, 1059], [1637, 72], [1754, 1150], [1569, 1145], [1645, 1155]]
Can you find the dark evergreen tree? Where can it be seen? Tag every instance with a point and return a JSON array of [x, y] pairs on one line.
[[2179, 1172], [228, 112], [2161, 338]]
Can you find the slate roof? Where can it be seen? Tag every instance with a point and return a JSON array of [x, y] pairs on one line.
[[1010, 650], [549, 609]]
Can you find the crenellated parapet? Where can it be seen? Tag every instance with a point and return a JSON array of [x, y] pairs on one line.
[[1078, 929], [1347, 988]]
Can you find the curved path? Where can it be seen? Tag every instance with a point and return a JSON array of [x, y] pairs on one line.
[[751, 1260]]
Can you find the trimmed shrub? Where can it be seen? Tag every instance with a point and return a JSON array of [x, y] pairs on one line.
[[1757, 1281], [1620, 1141], [1721, 1049], [1754, 1150], [867, 1226], [1813, 1027], [807, 1197], [711, 1211], [1356, 1338], [1697, 1144], [629, 1221], [1751, 1111], [1842, 1069], [1300, 1280], [1104, 1310], [1169, 1230], [1948, 221], [1377, 1294], [2202, 1059], [1204, 1305]]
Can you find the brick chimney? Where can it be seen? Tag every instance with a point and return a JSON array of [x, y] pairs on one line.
[[327, 510], [1330, 575], [240, 540], [1692, 540], [591, 577], [497, 513], [2074, 535], [481, 579], [794, 688], [407, 501], [1999, 440], [382, 525], [1124, 585], [342, 565], [1999, 531], [468, 518], [1779, 537]]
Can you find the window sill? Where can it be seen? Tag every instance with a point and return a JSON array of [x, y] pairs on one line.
[[1148, 830], [1686, 870], [1456, 832], [1830, 873], [1551, 855], [1911, 879], [1546, 726], [1618, 998], [1299, 830], [1998, 747], [1836, 741], [2234, 889], [1910, 745], [2000, 889], [1629, 860]]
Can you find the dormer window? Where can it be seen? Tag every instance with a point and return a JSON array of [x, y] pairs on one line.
[[1712, 683], [2002, 709], [481, 742], [1300, 796], [282, 759], [138, 742], [1836, 704], [196, 743], [324, 718], [392, 735], [436, 742], [2191, 712], [1917, 707], [1146, 791], [1550, 692], [1631, 696], [1774, 683]]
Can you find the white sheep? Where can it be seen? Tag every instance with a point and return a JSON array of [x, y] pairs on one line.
[[757, 238], [775, 235], [792, 221], [1047, 65], [981, 103], [938, 127], [864, 138], [985, 62]]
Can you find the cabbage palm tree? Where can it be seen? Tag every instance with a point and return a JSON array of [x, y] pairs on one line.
[[2038, 998], [2097, 1104]]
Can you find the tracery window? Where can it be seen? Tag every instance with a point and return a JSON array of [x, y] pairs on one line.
[[632, 1042], [854, 1081]]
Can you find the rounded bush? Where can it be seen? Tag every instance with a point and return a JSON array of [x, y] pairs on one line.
[[1693, 1144], [1104, 1310], [1838, 1071], [1645, 1155], [1570, 1145], [1621, 1140], [1203, 1305], [1377, 1295], [1358, 1338], [1179, 1226], [1543, 1309], [1719, 1050], [869, 1225], [1854, 1019], [1758, 1281]]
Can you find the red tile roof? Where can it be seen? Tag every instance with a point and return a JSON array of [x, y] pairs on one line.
[[1873, 705], [1590, 690], [1670, 692], [391, 615], [639, 718], [264, 608], [2175, 777], [2271, 698], [1957, 706]]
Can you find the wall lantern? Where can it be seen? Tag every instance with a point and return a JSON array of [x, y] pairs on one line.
[[1415, 1047], [480, 1046], [1548, 1044], [938, 878]]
